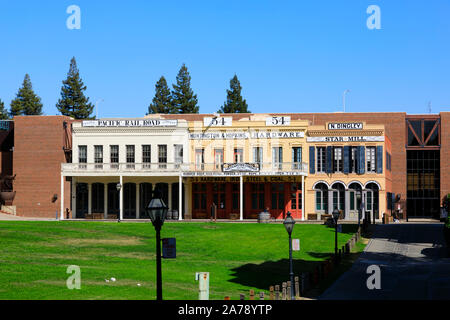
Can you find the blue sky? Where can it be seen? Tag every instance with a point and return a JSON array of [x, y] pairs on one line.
[[290, 56]]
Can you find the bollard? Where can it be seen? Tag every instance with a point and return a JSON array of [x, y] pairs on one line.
[[252, 295], [297, 288], [203, 284], [271, 293], [261, 295], [288, 290], [242, 296], [283, 294], [277, 292]]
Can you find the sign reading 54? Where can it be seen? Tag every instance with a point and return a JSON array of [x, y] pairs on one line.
[[278, 121]]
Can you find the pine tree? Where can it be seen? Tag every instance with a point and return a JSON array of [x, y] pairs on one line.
[[73, 102], [234, 103], [3, 112], [162, 102], [26, 101], [184, 99]]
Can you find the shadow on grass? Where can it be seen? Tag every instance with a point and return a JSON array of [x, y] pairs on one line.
[[270, 273]]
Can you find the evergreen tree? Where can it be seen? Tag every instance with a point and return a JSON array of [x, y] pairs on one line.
[[26, 101], [73, 102], [184, 99], [162, 102], [3, 112], [234, 103]]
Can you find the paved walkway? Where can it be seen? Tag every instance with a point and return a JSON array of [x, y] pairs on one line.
[[10, 217], [413, 262]]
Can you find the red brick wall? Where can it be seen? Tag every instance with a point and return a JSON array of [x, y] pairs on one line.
[[38, 154], [445, 154]]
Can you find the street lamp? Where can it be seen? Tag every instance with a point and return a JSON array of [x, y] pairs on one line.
[[118, 187], [289, 225], [335, 219], [157, 211]]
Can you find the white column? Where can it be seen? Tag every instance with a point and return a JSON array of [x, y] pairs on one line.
[[74, 197], [169, 196], [180, 198], [62, 197], [330, 201], [303, 199], [347, 204], [105, 201], [241, 200], [138, 207], [121, 198], [89, 198]]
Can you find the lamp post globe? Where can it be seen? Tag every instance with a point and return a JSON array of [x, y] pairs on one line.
[[335, 215], [157, 211], [289, 223]]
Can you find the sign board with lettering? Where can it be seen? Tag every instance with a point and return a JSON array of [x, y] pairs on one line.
[[169, 248], [345, 126], [278, 121], [232, 135], [240, 167], [346, 139], [218, 122], [130, 123]]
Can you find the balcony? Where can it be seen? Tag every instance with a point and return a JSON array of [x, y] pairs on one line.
[[155, 169]]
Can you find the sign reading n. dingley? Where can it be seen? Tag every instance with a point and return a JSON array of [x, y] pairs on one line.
[[345, 126], [130, 123]]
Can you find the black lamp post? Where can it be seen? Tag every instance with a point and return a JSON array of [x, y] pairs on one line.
[[335, 218], [157, 211], [289, 225], [118, 187]]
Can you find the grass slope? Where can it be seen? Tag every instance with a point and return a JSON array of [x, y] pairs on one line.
[[34, 257]]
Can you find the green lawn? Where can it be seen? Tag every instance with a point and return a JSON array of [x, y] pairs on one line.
[[34, 257]]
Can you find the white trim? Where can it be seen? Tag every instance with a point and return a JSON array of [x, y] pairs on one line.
[[372, 181], [338, 181], [355, 181], [320, 181]]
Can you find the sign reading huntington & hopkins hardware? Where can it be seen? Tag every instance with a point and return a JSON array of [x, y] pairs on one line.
[[130, 123]]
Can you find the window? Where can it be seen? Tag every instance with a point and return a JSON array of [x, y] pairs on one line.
[[130, 156], [82, 156], [370, 159], [162, 156], [199, 192], [257, 196], [199, 159], [337, 159], [277, 158], [218, 159], [321, 198], [98, 156], [146, 156], [219, 195], [321, 159], [178, 155], [235, 196], [258, 155], [296, 158], [238, 155], [353, 161], [277, 195], [114, 156]]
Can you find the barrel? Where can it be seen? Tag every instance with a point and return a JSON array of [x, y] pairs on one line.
[[263, 217], [169, 215], [175, 214]]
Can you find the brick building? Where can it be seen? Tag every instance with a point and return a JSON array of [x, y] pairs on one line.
[[42, 155]]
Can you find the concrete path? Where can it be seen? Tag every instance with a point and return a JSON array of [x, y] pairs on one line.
[[10, 217], [413, 261]]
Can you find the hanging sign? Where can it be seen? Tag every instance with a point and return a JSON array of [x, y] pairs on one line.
[[346, 139], [169, 248], [130, 123], [241, 167]]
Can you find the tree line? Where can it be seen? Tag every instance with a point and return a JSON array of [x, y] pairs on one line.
[[73, 102]]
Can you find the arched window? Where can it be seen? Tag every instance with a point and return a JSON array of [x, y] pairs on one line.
[[321, 197]]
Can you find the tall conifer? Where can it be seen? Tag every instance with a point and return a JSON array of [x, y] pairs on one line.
[[3, 112], [26, 101], [162, 102], [183, 97], [235, 103], [73, 102]]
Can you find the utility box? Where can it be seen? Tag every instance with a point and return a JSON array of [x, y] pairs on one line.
[[203, 285]]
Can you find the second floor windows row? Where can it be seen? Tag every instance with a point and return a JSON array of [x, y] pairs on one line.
[[130, 154]]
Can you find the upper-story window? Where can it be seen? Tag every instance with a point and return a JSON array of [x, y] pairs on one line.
[[199, 159], [296, 158], [98, 156], [370, 159], [337, 159], [82, 154], [353, 159], [258, 155], [238, 155], [146, 155], [114, 155], [321, 159], [178, 149], [162, 155], [130, 156], [218, 159]]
